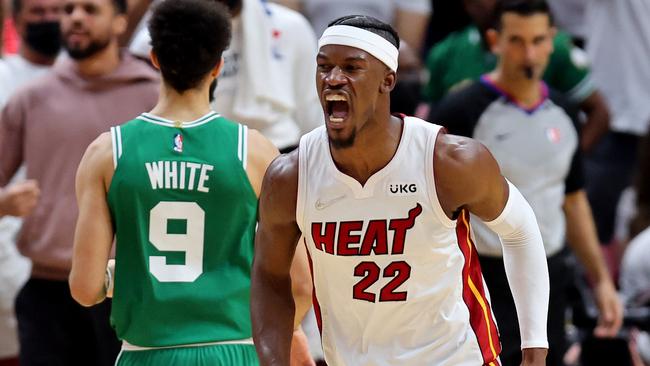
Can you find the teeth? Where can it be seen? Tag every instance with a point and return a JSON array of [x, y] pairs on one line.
[[336, 120], [335, 97]]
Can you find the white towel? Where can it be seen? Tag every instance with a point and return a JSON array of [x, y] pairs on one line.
[[260, 95]]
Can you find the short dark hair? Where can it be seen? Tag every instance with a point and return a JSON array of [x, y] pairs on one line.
[[370, 24], [188, 38], [520, 7], [120, 6]]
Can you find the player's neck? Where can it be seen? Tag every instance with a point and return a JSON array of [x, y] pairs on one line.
[[366, 156], [187, 106], [526, 92]]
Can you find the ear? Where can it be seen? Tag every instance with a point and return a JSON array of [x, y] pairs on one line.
[[388, 84], [217, 69], [120, 24], [492, 38], [154, 59]]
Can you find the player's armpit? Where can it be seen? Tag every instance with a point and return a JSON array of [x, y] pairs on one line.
[[94, 232], [272, 305], [301, 284]]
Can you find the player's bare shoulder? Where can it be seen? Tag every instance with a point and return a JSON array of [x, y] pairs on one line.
[[280, 188], [461, 155], [100, 152], [462, 165], [283, 172], [98, 160]]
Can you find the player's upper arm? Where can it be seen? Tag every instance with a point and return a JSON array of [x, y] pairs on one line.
[[468, 176], [261, 153], [94, 232], [96, 166], [278, 230]]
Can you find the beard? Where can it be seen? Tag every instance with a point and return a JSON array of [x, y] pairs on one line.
[[81, 53], [342, 143]]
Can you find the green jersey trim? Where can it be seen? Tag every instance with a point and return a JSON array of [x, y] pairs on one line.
[[148, 117], [116, 139]]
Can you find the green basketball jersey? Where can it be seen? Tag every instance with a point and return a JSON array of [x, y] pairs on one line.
[[184, 214], [461, 58]]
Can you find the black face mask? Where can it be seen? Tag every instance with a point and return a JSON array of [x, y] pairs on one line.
[[44, 37]]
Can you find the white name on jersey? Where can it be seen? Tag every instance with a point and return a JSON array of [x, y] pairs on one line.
[[178, 175]]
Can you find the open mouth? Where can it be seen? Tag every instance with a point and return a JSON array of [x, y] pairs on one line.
[[337, 108]]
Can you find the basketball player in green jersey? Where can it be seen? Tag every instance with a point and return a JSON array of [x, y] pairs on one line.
[[177, 188]]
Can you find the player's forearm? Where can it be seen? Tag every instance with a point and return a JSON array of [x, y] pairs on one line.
[[86, 290], [272, 312], [526, 268], [582, 238]]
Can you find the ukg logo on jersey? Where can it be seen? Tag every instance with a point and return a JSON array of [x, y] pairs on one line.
[[402, 189]]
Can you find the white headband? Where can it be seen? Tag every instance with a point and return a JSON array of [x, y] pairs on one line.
[[362, 39]]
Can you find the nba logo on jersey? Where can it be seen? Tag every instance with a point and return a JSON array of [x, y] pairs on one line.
[[553, 134], [178, 143]]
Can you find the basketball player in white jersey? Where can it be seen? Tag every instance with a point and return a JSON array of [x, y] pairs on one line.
[[383, 203]]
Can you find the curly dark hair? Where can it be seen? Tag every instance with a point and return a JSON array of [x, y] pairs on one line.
[[188, 38], [370, 24]]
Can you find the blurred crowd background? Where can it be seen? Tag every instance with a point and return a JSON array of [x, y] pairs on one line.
[[70, 69]]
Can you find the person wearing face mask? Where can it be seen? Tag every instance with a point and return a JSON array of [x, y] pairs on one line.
[[46, 126], [37, 22]]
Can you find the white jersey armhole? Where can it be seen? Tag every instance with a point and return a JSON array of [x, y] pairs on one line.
[[116, 141], [242, 145], [302, 182], [431, 180]]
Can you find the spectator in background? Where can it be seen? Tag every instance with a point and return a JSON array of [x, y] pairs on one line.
[[410, 18], [447, 17], [635, 267], [267, 82], [569, 16], [47, 126], [463, 57], [38, 24], [618, 44], [533, 134]]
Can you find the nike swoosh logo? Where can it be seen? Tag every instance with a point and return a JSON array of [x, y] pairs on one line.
[[321, 205]]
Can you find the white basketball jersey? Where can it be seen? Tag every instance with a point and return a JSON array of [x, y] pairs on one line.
[[396, 282]]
